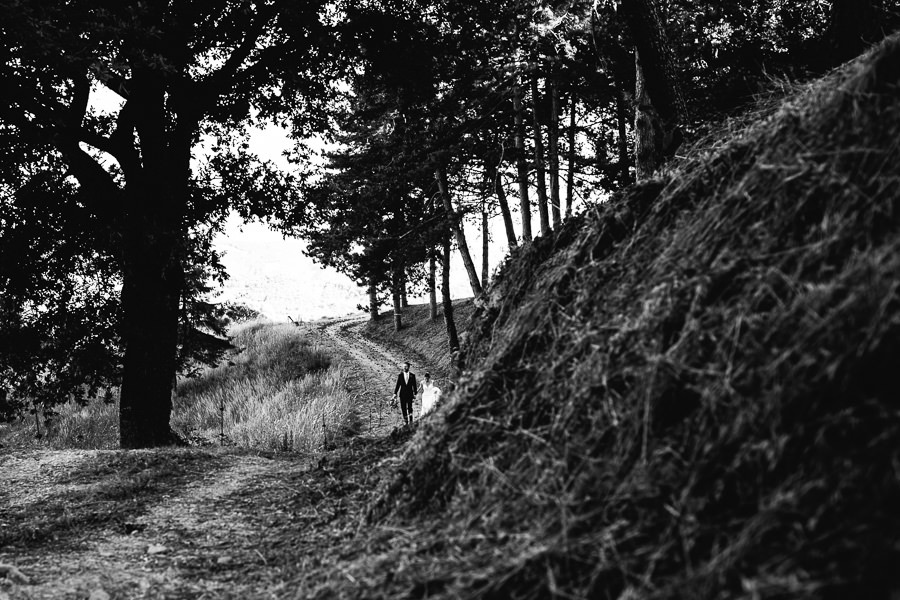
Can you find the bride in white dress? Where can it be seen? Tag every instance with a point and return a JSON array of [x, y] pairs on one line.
[[430, 395]]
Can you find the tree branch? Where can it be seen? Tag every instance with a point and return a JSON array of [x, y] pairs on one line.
[[80, 97], [122, 140], [211, 87], [115, 83]]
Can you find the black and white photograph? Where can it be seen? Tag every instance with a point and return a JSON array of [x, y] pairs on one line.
[[457, 299]]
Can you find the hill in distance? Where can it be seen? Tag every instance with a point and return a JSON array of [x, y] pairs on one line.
[[270, 274]]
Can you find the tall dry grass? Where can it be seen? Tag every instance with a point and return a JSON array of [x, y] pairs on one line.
[[278, 391], [94, 425]]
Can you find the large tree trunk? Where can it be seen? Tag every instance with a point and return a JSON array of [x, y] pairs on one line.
[[457, 228], [541, 184], [570, 141], [373, 299], [432, 293], [553, 143], [485, 245], [452, 337], [152, 278], [521, 164], [153, 275], [659, 104], [504, 210]]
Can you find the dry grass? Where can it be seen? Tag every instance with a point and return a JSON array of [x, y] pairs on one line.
[[70, 425], [277, 392], [692, 392]]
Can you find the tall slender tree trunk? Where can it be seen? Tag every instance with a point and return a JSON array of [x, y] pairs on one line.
[[659, 103], [373, 299], [553, 143], [457, 228], [622, 124], [485, 245], [522, 164], [504, 210], [432, 293], [541, 184], [452, 337], [396, 284], [404, 300], [570, 141]]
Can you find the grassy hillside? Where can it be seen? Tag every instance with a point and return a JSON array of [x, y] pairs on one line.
[[691, 391], [424, 341], [274, 392]]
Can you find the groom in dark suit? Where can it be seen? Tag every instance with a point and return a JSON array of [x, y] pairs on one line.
[[406, 387]]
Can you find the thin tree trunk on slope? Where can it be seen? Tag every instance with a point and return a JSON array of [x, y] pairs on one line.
[[373, 299], [504, 209], [457, 228], [570, 140], [395, 295], [432, 268], [541, 184], [484, 245], [432, 292], [622, 123], [452, 337], [553, 142], [404, 300], [521, 164]]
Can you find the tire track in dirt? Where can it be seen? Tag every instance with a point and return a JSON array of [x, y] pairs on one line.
[[199, 539]]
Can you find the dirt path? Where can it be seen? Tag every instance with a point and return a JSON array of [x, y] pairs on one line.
[[374, 373], [184, 523]]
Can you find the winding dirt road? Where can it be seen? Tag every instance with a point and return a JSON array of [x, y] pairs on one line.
[[184, 523], [374, 371]]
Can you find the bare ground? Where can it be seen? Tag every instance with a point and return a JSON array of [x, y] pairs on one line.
[[196, 523]]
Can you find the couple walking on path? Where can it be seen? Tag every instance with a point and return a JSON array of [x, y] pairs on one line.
[[407, 389]]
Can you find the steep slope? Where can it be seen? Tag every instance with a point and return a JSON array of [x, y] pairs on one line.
[[693, 390]]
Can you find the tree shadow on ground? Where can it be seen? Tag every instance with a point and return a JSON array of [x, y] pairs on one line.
[[102, 491]]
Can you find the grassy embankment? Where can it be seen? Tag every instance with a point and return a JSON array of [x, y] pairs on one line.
[[688, 392], [421, 340], [277, 391]]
